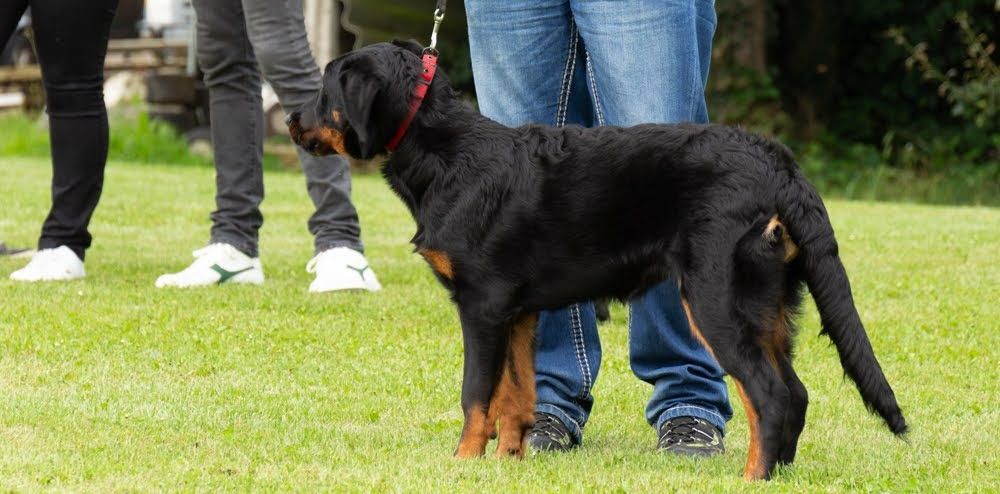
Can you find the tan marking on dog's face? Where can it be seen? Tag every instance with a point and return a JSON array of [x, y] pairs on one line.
[[440, 262], [335, 115], [791, 250], [328, 140], [332, 139]]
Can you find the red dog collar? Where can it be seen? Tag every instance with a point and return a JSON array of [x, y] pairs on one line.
[[423, 83]]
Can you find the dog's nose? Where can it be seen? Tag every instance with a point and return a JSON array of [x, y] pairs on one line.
[[292, 118]]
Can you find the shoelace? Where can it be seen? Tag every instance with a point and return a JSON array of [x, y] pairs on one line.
[[549, 426], [684, 430]]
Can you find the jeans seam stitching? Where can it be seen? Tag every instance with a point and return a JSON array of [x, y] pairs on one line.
[[580, 348], [566, 85], [593, 89]]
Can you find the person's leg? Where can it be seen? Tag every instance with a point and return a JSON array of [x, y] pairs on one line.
[[525, 61], [72, 38], [233, 79], [648, 62], [277, 32], [686, 380]]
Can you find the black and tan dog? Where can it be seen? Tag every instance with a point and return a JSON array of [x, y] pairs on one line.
[[514, 221]]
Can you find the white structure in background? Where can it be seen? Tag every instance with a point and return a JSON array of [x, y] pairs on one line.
[[174, 19], [322, 29], [169, 19]]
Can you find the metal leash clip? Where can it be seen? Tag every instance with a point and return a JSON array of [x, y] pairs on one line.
[[438, 17]]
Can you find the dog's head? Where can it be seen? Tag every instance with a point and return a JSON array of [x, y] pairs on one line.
[[365, 96]]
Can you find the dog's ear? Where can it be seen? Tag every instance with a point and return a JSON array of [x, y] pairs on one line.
[[360, 85], [410, 45]]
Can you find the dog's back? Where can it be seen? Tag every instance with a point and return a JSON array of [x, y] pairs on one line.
[[613, 210]]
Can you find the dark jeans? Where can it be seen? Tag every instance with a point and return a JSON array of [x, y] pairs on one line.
[[237, 41], [71, 37]]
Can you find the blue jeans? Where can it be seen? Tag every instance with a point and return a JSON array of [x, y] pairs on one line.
[[604, 62]]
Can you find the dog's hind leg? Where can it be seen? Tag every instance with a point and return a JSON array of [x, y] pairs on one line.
[[795, 417], [764, 394], [486, 340], [513, 403], [776, 257], [765, 401]]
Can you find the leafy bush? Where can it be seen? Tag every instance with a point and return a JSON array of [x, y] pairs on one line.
[[972, 91]]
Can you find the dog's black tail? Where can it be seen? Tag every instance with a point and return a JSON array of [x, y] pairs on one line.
[[802, 212]]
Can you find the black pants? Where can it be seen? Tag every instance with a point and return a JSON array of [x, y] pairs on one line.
[[71, 38]]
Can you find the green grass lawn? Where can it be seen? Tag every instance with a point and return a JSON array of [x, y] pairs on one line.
[[110, 384]]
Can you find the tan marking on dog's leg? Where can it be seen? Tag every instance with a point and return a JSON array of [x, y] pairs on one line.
[[791, 250], [775, 342], [514, 401], [474, 434], [695, 331], [754, 469]]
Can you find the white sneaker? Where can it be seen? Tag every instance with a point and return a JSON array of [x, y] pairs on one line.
[[215, 265], [342, 268], [59, 264]]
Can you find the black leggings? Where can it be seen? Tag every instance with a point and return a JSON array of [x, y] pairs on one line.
[[71, 38]]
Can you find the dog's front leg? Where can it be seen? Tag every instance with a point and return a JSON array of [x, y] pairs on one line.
[[513, 403], [485, 339]]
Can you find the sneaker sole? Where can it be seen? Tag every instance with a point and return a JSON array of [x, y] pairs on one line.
[[340, 288], [56, 278], [247, 278]]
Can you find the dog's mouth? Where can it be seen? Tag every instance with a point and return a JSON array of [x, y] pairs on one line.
[[319, 141]]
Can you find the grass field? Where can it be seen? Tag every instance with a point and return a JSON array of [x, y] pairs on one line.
[[109, 384]]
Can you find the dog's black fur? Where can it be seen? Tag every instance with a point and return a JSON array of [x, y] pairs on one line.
[[517, 220]]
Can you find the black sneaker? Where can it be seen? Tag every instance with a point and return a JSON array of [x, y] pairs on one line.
[[690, 436], [550, 434]]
